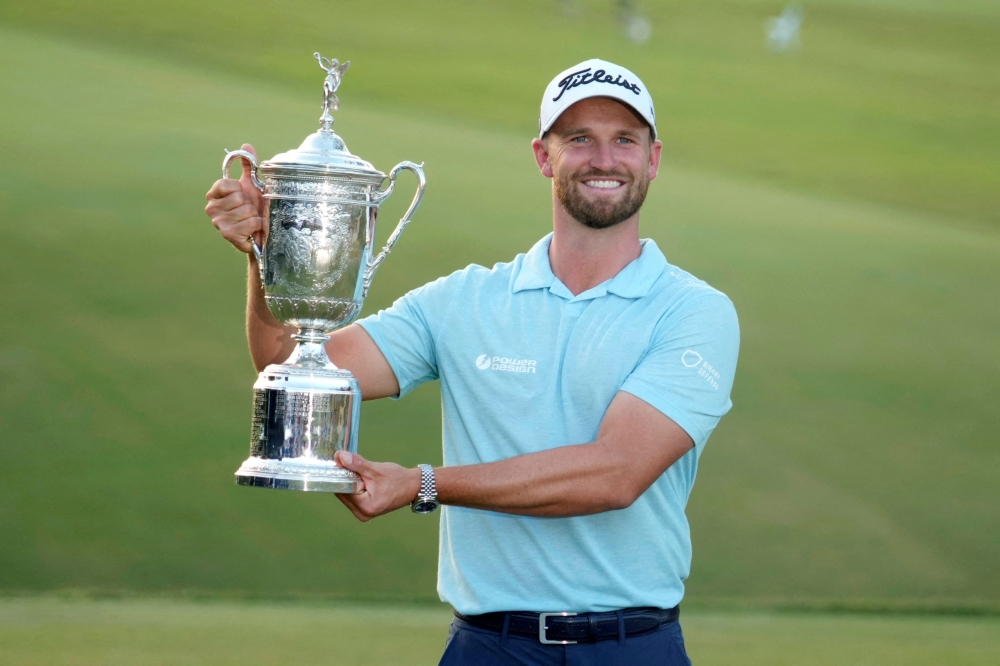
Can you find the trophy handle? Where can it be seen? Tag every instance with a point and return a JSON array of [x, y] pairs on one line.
[[405, 220], [254, 168]]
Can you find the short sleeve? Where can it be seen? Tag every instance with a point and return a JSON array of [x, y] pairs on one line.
[[687, 372], [405, 335]]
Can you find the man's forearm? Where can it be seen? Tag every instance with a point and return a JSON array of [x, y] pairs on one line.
[[270, 341], [565, 481], [635, 445]]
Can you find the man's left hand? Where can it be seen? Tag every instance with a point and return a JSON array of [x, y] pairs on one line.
[[387, 486]]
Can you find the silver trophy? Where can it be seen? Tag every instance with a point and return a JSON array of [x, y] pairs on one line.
[[316, 265]]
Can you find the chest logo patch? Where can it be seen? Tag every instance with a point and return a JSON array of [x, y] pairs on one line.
[[505, 364]]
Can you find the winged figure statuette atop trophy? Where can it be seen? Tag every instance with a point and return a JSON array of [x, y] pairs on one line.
[[334, 75]]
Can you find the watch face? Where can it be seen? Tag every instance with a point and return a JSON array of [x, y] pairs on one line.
[[425, 506]]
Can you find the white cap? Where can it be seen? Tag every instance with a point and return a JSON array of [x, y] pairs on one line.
[[595, 78]]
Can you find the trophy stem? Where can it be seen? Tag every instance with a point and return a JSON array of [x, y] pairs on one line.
[[310, 352]]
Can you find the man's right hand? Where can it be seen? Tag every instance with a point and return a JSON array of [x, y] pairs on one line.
[[237, 208]]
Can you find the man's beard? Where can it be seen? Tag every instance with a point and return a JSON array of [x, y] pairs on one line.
[[601, 214]]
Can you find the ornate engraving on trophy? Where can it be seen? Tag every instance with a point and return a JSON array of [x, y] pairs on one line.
[[316, 267], [313, 245]]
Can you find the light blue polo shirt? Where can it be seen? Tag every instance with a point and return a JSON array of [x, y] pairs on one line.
[[526, 366]]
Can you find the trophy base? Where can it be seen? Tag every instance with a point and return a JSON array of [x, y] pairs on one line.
[[291, 474], [304, 412]]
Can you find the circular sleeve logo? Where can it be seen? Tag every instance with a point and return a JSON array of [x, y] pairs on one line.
[[483, 361]]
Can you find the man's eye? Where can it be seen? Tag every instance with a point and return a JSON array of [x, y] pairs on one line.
[[623, 139], [578, 139]]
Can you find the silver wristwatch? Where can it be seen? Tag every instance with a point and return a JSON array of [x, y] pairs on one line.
[[427, 498]]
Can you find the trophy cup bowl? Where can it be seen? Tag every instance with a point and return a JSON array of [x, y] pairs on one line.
[[316, 266]]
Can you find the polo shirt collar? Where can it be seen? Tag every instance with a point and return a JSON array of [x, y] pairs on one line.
[[633, 281]]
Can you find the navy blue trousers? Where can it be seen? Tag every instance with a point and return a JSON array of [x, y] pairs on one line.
[[472, 646]]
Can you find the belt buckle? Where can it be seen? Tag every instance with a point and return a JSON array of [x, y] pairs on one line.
[[542, 629]]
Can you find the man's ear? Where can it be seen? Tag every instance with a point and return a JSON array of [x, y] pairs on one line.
[[654, 159], [542, 157]]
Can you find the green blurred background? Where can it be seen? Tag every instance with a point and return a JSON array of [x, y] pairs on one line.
[[846, 195]]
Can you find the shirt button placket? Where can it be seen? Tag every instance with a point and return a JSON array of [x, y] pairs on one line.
[[570, 315]]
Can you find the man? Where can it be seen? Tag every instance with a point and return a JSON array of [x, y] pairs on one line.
[[579, 382]]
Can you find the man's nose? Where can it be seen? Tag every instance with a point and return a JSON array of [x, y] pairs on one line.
[[602, 157]]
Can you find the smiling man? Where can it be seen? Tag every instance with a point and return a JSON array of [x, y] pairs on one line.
[[579, 382]]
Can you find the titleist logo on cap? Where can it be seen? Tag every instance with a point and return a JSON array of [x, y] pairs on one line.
[[583, 77]]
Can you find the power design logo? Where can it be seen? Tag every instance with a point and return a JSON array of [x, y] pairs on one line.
[[505, 364]]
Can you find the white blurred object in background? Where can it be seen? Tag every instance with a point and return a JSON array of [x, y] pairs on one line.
[[783, 30], [635, 26]]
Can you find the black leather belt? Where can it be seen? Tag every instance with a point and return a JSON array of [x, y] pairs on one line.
[[562, 628]]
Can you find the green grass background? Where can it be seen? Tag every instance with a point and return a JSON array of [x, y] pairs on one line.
[[845, 197]]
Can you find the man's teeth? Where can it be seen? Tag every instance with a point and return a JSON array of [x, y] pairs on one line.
[[607, 184]]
